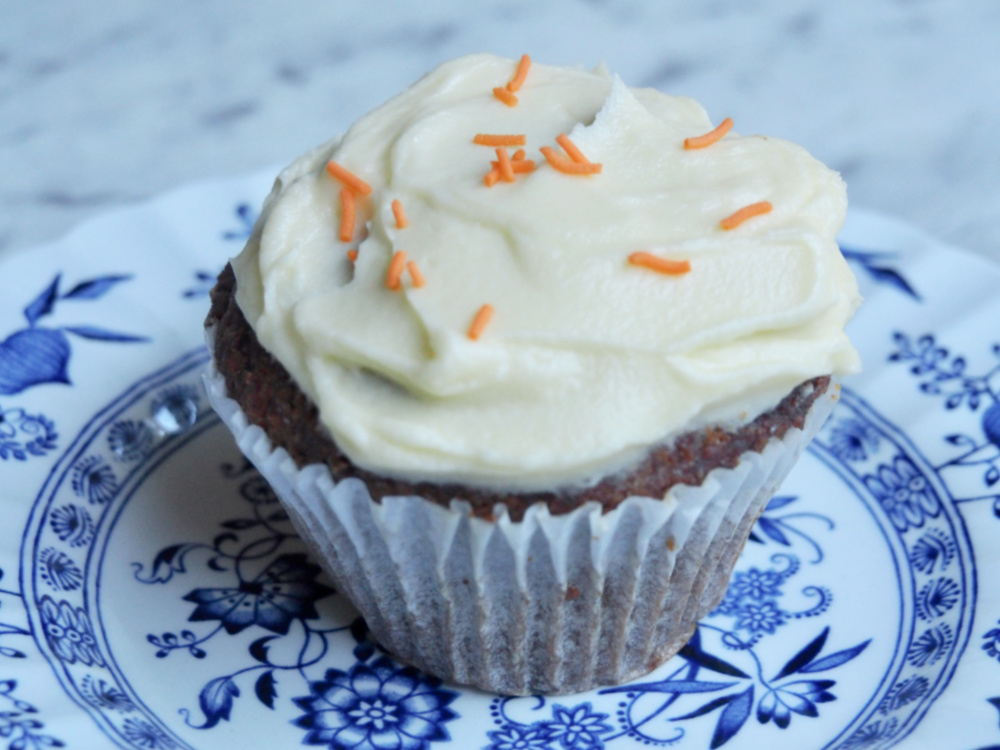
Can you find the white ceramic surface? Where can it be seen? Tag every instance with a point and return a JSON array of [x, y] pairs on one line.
[[154, 596]]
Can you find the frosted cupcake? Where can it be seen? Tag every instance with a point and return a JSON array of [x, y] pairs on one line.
[[525, 353]]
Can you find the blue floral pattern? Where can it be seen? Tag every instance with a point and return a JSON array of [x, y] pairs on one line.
[[256, 621], [59, 571], [69, 632], [23, 435], [753, 600], [37, 355], [376, 706], [948, 376], [19, 722], [94, 480], [285, 591], [932, 644], [904, 493], [736, 677]]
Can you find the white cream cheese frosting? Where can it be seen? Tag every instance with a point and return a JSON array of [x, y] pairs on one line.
[[588, 359]]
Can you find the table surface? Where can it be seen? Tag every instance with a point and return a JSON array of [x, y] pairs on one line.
[[105, 104]]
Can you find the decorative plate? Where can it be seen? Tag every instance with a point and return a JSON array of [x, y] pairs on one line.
[[154, 595]]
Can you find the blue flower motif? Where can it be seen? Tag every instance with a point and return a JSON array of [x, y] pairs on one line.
[[69, 633], [10, 421], [72, 524], [903, 693], [904, 494], [852, 440], [759, 617], [130, 440], [798, 697], [936, 598], [871, 735], [103, 695], [283, 592], [992, 644], [141, 734], [577, 728], [376, 707], [59, 571], [756, 584], [931, 549], [35, 435], [94, 480], [514, 737], [930, 646]]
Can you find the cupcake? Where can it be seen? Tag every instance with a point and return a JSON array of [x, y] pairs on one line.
[[525, 353]]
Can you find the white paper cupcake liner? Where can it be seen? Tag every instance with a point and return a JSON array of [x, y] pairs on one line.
[[549, 604]]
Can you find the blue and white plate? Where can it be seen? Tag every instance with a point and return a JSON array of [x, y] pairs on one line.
[[154, 595]]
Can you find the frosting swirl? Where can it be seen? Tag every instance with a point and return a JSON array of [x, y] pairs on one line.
[[588, 359]]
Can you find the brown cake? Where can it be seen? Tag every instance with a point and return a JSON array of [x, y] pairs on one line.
[[526, 410], [268, 396]]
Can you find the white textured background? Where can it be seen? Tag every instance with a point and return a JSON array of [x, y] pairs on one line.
[[106, 103]]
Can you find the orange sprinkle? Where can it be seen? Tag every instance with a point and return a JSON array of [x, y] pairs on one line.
[[484, 139], [570, 148], [518, 155], [418, 278], [492, 177], [395, 272], [346, 214], [397, 210], [506, 173], [505, 96], [349, 179], [353, 255], [708, 139], [662, 265], [479, 323], [519, 166], [754, 209], [565, 165], [522, 72]]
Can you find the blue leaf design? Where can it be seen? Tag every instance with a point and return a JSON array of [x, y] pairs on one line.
[[960, 439], [672, 686], [31, 357], [42, 304], [265, 688], [258, 649], [216, 701], [779, 502], [733, 718], [94, 288], [101, 334], [168, 561], [706, 709], [893, 278], [692, 652], [806, 655], [995, 702], [772, 530]]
